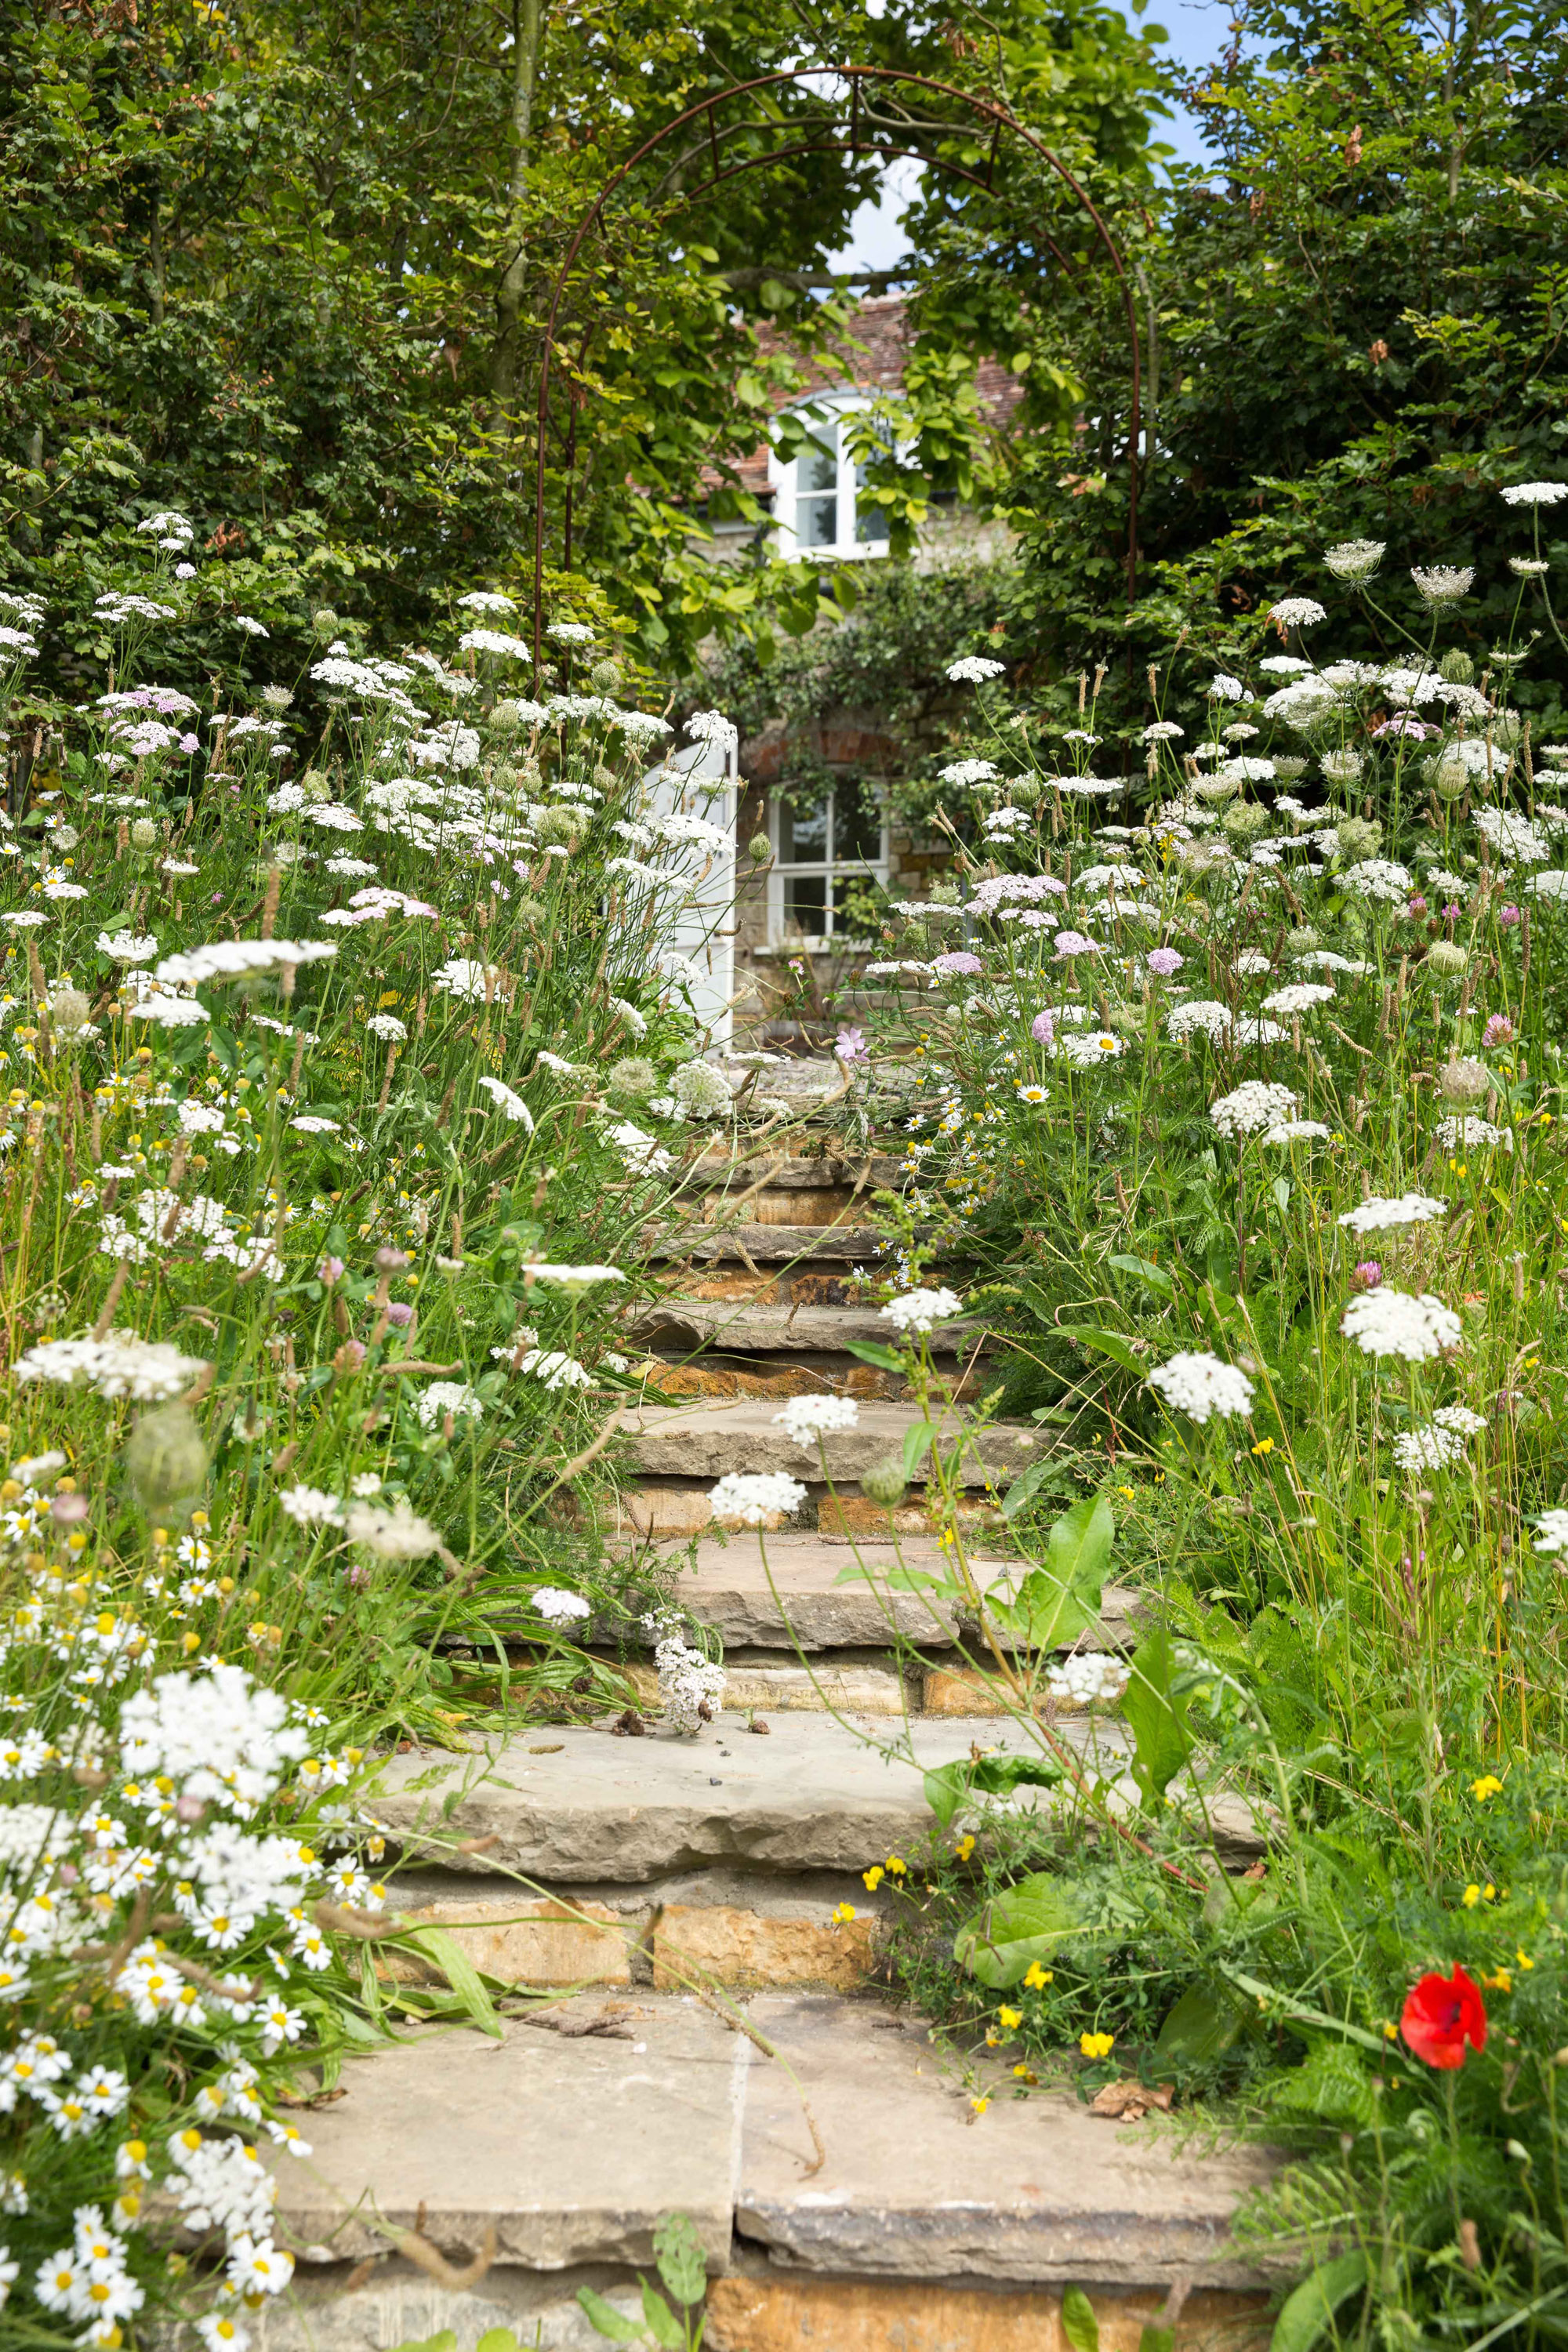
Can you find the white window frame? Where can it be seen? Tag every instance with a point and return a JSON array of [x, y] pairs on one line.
[[831, 868], [823, 408]]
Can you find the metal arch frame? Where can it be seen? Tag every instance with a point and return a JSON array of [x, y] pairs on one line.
[[986, 109]]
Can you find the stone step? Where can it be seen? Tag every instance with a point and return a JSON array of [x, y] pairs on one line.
[[743, 1327], [782, 1591], [747, 1929], [816, 1793], [579, 1803], [773, 1244], [563, 2143], [706, 1441]]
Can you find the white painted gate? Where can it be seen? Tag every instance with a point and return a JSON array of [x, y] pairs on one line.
[[701, 781]]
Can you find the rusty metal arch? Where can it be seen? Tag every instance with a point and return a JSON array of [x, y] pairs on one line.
[[986, 110]]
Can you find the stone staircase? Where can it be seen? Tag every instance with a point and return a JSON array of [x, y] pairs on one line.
[[718, 2042]]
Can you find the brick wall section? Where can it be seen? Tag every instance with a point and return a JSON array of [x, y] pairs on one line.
[[873, 358]]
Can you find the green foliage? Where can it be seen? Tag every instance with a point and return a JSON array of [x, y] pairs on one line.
[[683, 2270]]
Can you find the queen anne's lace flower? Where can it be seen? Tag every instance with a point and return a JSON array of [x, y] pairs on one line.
[[1378, 1215], [1428, 1448], [1200, 1384], [1251, 1107], [1386, 1322], [806, 1418], [755, 1498], [918, 1310]]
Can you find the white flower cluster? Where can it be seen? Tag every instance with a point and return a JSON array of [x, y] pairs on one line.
[[805, 1419], [1387, 1322], [1201, 1385], [1087, 1678], [147, 1370], [1251, 1107], [922, 1310], [755, 1498], [691, 1686], [1377, 1215]]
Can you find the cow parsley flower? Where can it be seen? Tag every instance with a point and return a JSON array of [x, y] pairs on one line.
[[1428, 1448], [755, 1498], [1297, 612], [1354, 560], [919, 1310], [1378, 1215], [1534, 494], [1386, 1322], [806, 1418], [974, 669], [1301, 996], [510, 1105], [444, 1397], [1254, 1105], [1443, 584], [1200, 1384]]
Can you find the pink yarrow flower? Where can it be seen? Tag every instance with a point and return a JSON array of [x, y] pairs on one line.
[[1043, 1029], [1164, 962], [959, 962]]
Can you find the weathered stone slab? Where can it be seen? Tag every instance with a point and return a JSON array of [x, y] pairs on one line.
[[812, 2315], [531, 1940], [916, 2186], [333, 2309], [813, 1795], [772, 1245], [568, 2149], [779, 1689], [729, 1588], [747, 1329], [746, 1949], [706, 1441]]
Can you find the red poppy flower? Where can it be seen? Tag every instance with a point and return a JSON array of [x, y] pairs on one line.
[[1441, 2014]]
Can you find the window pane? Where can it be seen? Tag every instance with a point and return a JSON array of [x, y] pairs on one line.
[[871, 521], [857, 824], [817, 521], [803, 832], [805, 904], [818, 461]]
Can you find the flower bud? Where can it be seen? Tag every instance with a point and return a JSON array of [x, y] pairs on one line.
[[562, 826], [506, 718], [605, 678], [1446, 959], [1457, 666], [1464, 1080], [632, 1077], [69, 1011], [1449, 778], [762, 849], [166, 1459], [1358, 837], [324, 621], [885, 1483], [143, 833]]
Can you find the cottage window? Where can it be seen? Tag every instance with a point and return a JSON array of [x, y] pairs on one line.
[[818, 498], [826, 848]]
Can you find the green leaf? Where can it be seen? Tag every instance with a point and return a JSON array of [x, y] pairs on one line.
[[1307, 2312], [947, 1785], [1157, 1718], [1026, 1486], [1110, 1343], [445, 2342], [683, 2264], [1154, 1276], [1060, 1599], [1156, 2339], [869, 1351], [1038, 1919], [1200, 2027], [437, 1944], [497, 2339], [1079, 2325], [1333, 2085], [917, 1445], [662, 2325], [607, 2320]]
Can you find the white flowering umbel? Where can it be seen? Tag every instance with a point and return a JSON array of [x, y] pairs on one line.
[[691, 1686], [1201, 1385], [1252, 1107], [806, 1418], [1385, 1322], [756, 1498]]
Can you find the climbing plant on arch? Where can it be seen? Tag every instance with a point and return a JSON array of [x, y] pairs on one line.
[[863, 109]]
